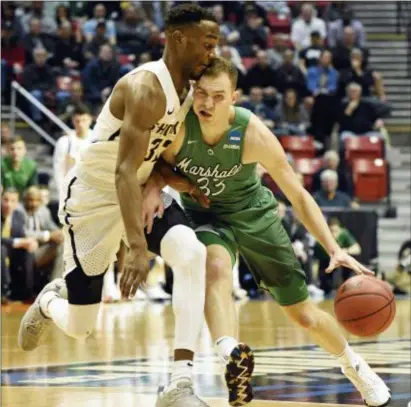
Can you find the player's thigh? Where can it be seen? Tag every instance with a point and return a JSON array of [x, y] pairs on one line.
[[221, 256], [268, 253]]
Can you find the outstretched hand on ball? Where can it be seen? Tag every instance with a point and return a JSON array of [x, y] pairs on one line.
[[343, 259]]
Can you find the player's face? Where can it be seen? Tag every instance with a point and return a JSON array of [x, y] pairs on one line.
[[213, 97], [201, 41]]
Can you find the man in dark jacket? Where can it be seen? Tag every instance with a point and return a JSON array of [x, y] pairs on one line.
[[100, 75], [16, 251]]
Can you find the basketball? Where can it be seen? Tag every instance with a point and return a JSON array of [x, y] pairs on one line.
[[364, 306]]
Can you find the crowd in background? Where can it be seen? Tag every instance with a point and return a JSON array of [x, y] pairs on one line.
[[302, 70]]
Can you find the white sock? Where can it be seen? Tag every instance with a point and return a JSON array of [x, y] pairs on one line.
[[225, 346], [348, 358], [182, 371], [45, 301]]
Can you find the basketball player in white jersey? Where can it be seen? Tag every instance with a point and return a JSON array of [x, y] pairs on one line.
[[100, 203]]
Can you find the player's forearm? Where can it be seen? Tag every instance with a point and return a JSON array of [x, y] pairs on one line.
[[130, 201], [310, 215]]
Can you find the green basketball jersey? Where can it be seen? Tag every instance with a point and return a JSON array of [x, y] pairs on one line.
[[217, 170]]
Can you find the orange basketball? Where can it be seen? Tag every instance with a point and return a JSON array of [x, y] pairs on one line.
[[364, 305]]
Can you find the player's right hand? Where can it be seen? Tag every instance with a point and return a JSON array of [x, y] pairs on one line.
[[135, 272]]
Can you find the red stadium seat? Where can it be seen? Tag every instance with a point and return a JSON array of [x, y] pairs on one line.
[[248, 62], [277, 24], [124, 59], [308, 167], [64, 83], [370, 179], [363, 147], [299, 146]]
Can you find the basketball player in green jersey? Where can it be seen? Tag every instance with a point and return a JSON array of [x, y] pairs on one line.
[[217, 150]]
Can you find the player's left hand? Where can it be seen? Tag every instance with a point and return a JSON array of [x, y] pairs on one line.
[[342, 259]]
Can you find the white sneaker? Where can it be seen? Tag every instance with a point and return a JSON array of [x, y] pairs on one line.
[[315, 291], [373, 390], [182, 396], [35, 325], [140, 295], [156, 293]]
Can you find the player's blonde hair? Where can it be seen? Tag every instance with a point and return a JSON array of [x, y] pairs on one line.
[[220, 65]]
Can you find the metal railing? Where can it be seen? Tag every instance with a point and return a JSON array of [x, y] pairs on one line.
[[404, 27], [17, 112]]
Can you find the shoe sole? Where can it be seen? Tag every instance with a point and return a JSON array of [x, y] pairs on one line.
[[381, 405], [238, 373]]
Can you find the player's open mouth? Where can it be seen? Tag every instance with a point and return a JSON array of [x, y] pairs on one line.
[[205, 114]]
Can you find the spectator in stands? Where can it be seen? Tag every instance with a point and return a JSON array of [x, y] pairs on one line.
[[347, 242], [332, 162], [48, 25], [358, 116], [329, 196], [62, 15], [9, 16], [12, 49], [231, 54], [40, 226], [336, 29], [401, 280], [133, 31], [276, 53], [16, 249], [40, 81], [68, 53], [322, 82], [227, 29], [100, 75], [18, 171], [156, 45], [68, 146], [365, 77], [65, 110], [92, 48], [89, 27], [5, 139], [278, 7], [35, 39], [342, 51], [253, 35], [261, 75], [309, 57], [52, 205], [290, 76], [323, 78], [259, 108], [334, 10], [292, 117], [305, 25]]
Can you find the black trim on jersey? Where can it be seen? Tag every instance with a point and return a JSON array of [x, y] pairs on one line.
[[114, 135], [70, 227]]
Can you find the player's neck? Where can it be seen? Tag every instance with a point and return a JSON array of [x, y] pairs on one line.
[[212, 133], [181, 82]]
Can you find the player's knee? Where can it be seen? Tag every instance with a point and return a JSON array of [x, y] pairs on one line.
[[180, 246], [218, 271], [304, 316]]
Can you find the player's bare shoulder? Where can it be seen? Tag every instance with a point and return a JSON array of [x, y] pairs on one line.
[[141, 95]]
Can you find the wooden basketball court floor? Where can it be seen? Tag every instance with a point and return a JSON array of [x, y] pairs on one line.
[[128, 356]]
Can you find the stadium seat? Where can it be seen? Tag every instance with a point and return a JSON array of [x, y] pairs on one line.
[[299, 146], [279, 24], [248, 62], [370, 179], [363, 147], [308, 167]]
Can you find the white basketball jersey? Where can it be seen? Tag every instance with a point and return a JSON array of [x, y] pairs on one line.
[[97, 161]]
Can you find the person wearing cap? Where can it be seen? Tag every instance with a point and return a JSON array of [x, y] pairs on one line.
[[90, 26], [309, 56]]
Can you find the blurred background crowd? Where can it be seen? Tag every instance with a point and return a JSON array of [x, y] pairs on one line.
[[304, 70]]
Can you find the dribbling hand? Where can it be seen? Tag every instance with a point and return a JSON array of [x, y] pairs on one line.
[[343, 259], [135, 272]]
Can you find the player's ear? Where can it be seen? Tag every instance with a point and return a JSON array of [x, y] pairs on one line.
[[179, 38], [236, 97]]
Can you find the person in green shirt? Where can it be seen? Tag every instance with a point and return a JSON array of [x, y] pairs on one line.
[[347, 243], [218, 149], [18, 171]]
